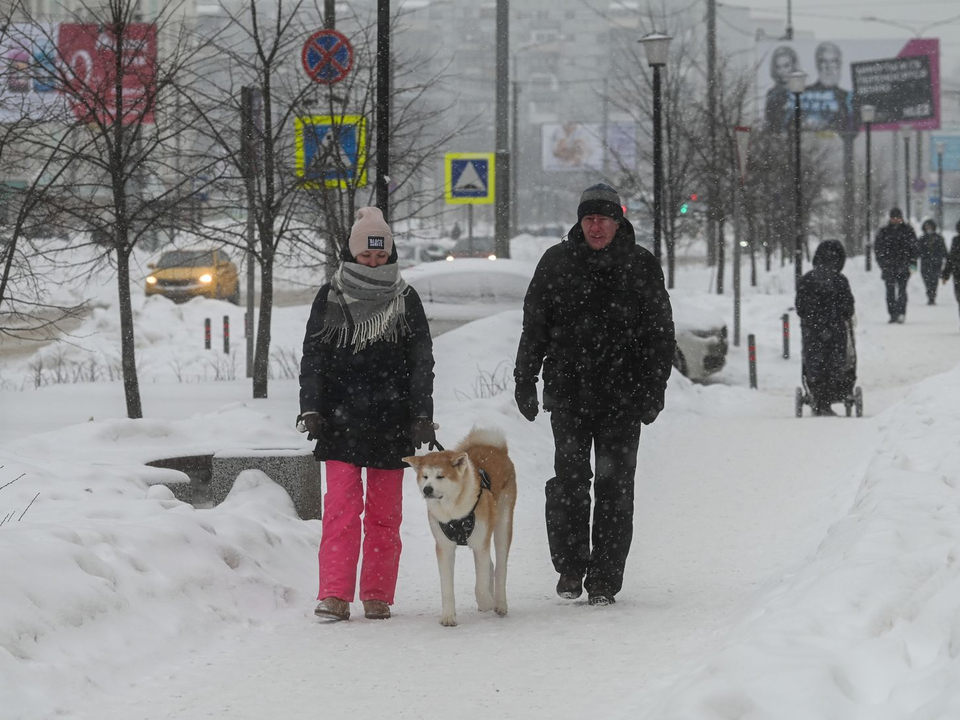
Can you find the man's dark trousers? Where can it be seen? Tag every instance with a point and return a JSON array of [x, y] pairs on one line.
[[897, 295], [616, 438]]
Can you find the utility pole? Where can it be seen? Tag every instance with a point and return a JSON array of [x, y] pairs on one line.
[[714, 242], [501, 206], [514, 154], [849, 236], [906, 176], [250, 104], [789, 34], [383, 107]]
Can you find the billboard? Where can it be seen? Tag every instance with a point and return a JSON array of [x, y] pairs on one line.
[[951, 152], [28, 88], [902, 79], [572, 146], [47, 70]]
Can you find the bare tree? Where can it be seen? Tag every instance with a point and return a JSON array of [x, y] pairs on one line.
[[115, 143]]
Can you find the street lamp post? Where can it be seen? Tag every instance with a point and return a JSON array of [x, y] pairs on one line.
[[796, 81], [657, 47], [940, 149], [868, 113]]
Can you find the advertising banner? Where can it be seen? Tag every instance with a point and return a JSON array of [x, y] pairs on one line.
[[901, 77], [951, 152], [28, 74], [47, 70], [88, 54], [574, 146]]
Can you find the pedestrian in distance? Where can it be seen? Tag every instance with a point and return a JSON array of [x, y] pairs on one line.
[[933, 253], [366, 397], [597, 320], [952, 264], [896, 250], [825, 305]]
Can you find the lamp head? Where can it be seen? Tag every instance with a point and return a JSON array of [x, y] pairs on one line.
[[868, 113], [797, 81], [657, 47]]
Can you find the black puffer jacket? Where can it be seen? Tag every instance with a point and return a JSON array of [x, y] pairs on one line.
[[952, 265], [601, 326], [896, 250], [825, 306], [368, 399]]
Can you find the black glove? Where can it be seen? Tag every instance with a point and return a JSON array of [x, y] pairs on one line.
[[526, 397], [313, 424], [422, 432], [649, 415], [652, 405]]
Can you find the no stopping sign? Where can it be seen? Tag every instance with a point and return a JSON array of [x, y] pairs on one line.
[[327, 56]]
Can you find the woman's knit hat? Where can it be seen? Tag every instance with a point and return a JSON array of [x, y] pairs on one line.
[[370, 232]]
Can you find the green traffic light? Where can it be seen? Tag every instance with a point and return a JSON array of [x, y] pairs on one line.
[[683, 209]]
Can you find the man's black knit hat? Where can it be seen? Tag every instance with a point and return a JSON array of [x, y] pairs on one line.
[[600, 199]]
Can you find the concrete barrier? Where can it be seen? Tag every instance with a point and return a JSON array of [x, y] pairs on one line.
[[296, 471]]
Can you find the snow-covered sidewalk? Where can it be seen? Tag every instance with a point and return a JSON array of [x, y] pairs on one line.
[[781, 568]]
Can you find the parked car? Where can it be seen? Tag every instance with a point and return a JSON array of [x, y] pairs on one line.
[[410, 253], [701, 340], [475, 247], [185, 274], [469, 289]]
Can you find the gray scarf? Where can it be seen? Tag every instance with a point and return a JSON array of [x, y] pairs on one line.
[[365, 304]]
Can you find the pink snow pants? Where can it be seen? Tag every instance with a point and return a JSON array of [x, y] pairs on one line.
[[340, 540]]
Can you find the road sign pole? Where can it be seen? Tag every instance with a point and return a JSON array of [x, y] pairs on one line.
[[502, 117], [470, 227], [383, 107]]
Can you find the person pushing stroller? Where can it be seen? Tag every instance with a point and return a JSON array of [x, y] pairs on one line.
[[825, 305]]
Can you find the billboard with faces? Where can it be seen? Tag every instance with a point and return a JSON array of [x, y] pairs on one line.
[[901, 79]]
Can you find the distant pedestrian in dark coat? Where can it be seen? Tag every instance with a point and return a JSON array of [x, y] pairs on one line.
[[825, 306], [933, 253], [597, 318], [952, 265], [366, 396], [896, 251]]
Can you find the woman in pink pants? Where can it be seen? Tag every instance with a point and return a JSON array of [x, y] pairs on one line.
[[366, 396]]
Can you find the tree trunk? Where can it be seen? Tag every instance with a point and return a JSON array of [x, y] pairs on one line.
[[128, 357], [261, 358]]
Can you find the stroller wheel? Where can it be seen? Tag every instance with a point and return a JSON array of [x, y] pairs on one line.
[[799, 402], [858, 401]]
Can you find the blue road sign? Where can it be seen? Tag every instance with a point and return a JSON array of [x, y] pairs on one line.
[[469, 178], [331, 151]]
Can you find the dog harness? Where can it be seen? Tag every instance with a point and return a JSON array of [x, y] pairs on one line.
[[460, 530]]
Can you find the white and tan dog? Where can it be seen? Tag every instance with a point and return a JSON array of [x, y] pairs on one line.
[[471, 492]]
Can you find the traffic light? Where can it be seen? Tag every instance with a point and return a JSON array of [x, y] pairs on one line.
[[684, 208]]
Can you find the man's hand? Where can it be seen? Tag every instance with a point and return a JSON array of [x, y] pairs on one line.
[[649, 415], [423, 432], [526, 397]]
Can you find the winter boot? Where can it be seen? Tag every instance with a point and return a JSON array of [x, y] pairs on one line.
[[376, 610], [333, 608], [601, 598], [569, 587]]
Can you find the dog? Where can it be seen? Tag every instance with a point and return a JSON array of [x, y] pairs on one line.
[[471, 492]]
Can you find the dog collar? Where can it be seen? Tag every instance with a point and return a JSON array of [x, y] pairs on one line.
[[460, 530]]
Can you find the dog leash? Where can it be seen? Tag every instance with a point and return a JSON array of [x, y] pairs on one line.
[[435, 444]]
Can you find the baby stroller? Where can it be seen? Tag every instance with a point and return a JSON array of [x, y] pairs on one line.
[[844, 389]]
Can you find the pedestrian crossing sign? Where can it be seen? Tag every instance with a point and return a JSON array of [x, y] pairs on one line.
[[331, 151], [469, 178]]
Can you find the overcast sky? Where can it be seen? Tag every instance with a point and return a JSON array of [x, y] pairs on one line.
[[843, 19]]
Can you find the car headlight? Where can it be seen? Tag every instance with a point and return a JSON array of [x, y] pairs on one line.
[[151, 280], [491, 256], [449, 258], [206, 278]]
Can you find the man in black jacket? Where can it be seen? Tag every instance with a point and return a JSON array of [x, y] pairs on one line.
[[597, 318], [896, 250]]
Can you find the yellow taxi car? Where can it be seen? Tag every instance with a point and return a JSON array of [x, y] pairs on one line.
[[185, 274]]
